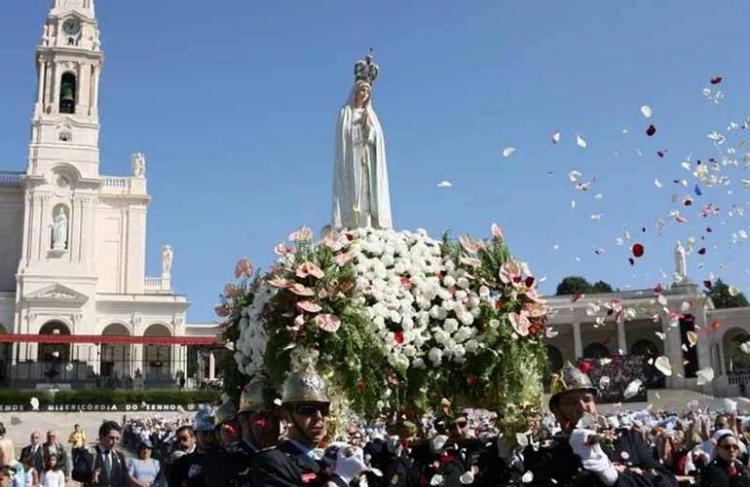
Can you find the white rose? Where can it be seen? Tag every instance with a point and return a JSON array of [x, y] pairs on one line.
[[466, 318], [461, 296], [441, 336], [463, 283], [448, 304], [435, 356], [472, 346], [494, 324], [450, 325], [463, 334], [449, 281], [418, 363]]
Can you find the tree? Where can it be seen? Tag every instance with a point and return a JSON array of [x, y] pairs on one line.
[[601, 287], [722, 297], [578, 284]]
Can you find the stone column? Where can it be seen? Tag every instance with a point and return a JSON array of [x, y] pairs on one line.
[[137, 359], [622, 343], [211, 365], [577, 340]]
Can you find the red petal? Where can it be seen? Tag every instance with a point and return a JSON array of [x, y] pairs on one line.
[[716, 80], [708, 285], [529, 281], [632, 262], [702, 251], [399, 337], [638, 250], [651, 130], [660, 153]]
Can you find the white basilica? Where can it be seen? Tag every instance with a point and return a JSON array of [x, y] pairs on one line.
[[72, 252]]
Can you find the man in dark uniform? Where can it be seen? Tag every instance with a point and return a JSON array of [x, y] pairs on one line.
[[577, 456], [294, 462], [190, 470], [260, 427]]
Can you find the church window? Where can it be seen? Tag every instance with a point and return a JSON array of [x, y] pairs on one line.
[[68, 90]]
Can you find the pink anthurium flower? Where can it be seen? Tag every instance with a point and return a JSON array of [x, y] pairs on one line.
[[469, 245], [328, 322], [302, 235], [307, 268], [520, 322], [309, 306], [301, 290], [497, 231], [243, 268], [279, 282]]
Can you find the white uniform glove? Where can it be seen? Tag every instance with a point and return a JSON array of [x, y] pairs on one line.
[[579, 443], [599, 464], [350, 462]]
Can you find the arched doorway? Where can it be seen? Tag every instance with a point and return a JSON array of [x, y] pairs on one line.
[[157, 358], [648, 351], [115, 359], [6, 354], [735, 360], [554, 358], [53, 356], [595, 350]]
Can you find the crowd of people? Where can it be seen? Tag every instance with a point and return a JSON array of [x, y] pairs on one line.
[[287, 443]]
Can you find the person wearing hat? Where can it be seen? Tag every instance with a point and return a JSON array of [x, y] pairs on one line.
[[306, 406], [190, 470], [143, 471], [576, 457]]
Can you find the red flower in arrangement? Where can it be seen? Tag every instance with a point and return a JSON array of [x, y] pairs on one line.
[[534, 329], [529, 281], [360, 386], [585, 366], [406, 281], [499, 304], [398, 337], [471, 379]]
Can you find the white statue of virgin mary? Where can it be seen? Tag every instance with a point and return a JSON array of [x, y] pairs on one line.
[[360, 178]]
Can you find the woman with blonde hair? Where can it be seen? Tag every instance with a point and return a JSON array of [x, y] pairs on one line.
[[8, 459]]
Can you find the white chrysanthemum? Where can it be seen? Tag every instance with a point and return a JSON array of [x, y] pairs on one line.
[[435, 356]]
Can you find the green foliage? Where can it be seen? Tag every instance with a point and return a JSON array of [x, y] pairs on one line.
[[722, 297], [577, 284]]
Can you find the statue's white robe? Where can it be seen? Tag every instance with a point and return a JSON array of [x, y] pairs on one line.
[[361, 196]]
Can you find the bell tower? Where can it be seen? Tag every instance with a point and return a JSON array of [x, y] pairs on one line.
[[65, 127]]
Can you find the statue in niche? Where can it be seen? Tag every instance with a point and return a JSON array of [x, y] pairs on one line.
[[60, 230], [138, 161], [166, 260], [361, 196], [680, 263]]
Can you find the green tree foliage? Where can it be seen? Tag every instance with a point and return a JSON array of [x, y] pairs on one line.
[[578, 284], [722, 297]]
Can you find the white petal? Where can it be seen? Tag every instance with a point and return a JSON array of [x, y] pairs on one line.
[[556, 137], [705, 376], [445, 184], [632, 389], [581, 143], [662, 365], [646, 111], [509, 151]]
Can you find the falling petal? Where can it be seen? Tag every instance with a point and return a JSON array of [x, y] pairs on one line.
[[692, 337], [716, 80], [657, 183], [632, 390], [445, 184], [646, 111], [508, 151], [662, 365], [705, 376], [651, 130], [556, 137], [638, 250], [581, 142]]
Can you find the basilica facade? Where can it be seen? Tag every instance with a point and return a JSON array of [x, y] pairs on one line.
[[72, 252]]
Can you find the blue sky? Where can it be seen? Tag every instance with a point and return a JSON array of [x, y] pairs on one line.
[[235, 102]]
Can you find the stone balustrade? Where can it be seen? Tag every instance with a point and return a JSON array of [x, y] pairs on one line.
[[11, 179]]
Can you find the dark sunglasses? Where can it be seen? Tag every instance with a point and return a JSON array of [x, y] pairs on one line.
[[729, 447], [311, 408]]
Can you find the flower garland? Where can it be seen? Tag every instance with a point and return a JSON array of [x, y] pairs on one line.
[[393, 320]]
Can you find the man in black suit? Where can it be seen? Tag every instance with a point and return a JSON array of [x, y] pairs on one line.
[[293, 462], [35, 450], [104, 466]]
